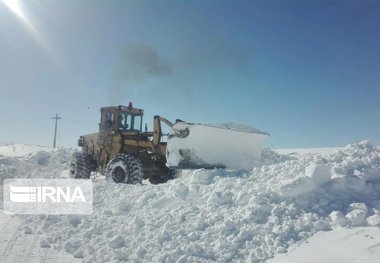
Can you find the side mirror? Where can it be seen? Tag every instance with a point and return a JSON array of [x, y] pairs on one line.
[[146, 127]]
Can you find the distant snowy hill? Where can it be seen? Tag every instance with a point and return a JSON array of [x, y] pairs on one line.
[[318, 195], [304, 152], [14, 150]]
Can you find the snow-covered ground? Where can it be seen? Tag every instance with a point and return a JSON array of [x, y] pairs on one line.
[[17, 244], [355, 245], [299, 196]]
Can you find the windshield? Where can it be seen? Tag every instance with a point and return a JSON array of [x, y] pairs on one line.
[[129, 122]]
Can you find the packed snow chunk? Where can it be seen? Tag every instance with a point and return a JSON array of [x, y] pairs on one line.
[[322, 225], [357, 214], [74, 220], [358, 206], [44, 243], [338, 219], [269, 157], [117, 242], [182, 191], [202, 176], [72, 246], [281, 231], [301, 185], [374, 220], [320, 173], [121, 256], [221, 198], [201, 146], [78, 254], [28, 230], [42, 157]]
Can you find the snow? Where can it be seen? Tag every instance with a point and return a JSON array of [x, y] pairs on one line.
[[20, 243], [18, 150], [319, 173], [356, 245], [216, 215], [228, 146], [303, 152]]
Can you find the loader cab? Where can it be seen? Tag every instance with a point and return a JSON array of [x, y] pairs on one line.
[[121, 119]]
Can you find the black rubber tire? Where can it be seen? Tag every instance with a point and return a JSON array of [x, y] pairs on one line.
[[81, 165], [125, 168]]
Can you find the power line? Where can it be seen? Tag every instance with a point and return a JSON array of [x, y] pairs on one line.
[[24, 119]]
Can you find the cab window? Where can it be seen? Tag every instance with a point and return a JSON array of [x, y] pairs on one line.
[[137, 123], [107, 120], [125, 122], [129, 122]]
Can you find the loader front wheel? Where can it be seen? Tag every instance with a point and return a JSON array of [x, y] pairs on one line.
[[125, 168], [81, 165]]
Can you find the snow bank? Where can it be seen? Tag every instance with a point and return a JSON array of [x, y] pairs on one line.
[[32, 162], [228, 146], [221, 215]]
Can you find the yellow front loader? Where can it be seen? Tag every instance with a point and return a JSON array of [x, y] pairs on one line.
[[122, 150]]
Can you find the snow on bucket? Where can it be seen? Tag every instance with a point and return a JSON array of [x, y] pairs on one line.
[[229, 146]]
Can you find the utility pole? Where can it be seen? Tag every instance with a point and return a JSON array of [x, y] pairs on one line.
[[56, 118]]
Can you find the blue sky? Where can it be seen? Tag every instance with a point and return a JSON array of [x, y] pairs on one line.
[[308, 72]]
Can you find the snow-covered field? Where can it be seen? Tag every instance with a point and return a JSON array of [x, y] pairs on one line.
[[355, 245], [19, 150], [327, 197]]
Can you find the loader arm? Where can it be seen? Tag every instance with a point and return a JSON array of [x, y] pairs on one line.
[[157, 131], [164, 120]]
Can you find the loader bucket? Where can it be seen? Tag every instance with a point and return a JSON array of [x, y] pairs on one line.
[[192, 145]]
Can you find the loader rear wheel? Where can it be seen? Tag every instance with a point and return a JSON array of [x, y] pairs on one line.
[[125, 168], [81, 165]]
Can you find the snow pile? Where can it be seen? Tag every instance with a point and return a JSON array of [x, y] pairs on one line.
[[41, 164], [29, 162], [198, 145], [273, 157], [222, 215], [338, 182]]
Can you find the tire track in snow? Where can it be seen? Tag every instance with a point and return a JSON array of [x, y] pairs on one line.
[[8, 235], [16, 246]]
